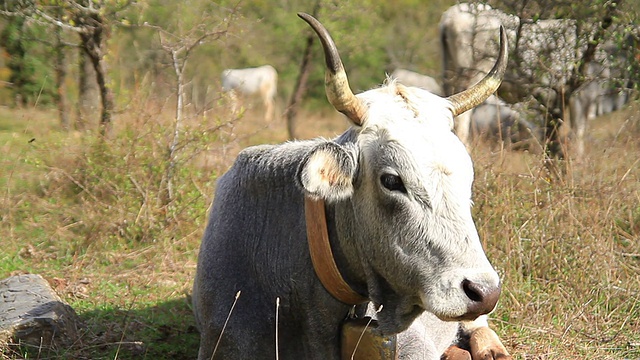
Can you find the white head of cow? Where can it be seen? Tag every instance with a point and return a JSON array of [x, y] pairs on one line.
[[401, 181]]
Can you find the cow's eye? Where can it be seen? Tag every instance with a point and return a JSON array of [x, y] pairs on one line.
[[392, 182]]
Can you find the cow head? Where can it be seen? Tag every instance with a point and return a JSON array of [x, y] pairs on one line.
[[400, 185]]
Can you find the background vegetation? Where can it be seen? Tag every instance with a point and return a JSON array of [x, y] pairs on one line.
[[93, 215]]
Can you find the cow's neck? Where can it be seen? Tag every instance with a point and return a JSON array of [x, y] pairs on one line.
[[328, 256]]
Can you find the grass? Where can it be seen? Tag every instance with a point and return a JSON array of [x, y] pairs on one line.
[[92, 218], [567, 247]]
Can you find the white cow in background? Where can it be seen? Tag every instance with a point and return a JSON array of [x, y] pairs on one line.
[[605, 90], [497, 120], [259, 81], [545, 53], [411, 78]]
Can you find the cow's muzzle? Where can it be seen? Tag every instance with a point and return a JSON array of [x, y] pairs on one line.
[[482, 298]]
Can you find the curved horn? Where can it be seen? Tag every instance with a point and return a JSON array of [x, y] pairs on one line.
[[335, 80], [475, 95]]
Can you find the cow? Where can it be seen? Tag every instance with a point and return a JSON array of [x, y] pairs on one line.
[[546, 52], [605, 90], [261, 81], [496, 120], [305, 234], [411, 78]]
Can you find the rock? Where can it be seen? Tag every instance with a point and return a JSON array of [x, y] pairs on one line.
[[32, 313]]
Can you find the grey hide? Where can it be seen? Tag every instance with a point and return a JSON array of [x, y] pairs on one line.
[[267, 258]]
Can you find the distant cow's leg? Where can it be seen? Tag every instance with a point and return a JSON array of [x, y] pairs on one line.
[[463, 125], [578, 122], [269, 107], [235, 102]]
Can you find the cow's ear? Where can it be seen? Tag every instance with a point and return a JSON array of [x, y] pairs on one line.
[[327, 171]]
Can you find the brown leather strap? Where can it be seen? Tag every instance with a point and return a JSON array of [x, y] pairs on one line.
[[322, 256]]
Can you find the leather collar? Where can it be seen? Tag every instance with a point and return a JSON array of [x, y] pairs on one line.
[[322, 257]]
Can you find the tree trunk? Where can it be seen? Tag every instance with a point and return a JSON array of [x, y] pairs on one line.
[[87, 105], [61, 73], [105, 94], [93, 50], [92, 39], [172, 156], [301, 84], [299, 90], [552, 141]]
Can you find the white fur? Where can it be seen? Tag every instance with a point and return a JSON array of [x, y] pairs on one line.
[[436, 166]]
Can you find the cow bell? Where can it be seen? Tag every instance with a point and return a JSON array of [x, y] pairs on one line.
[[362, 341]]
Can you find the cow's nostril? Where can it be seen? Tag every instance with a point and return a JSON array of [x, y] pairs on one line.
[[484, 297], [472, 290]]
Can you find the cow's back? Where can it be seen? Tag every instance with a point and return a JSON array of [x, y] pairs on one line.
[[410, 78], [262, 80]]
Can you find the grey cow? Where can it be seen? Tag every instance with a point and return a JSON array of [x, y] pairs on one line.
[[396, 191], [495, 119]]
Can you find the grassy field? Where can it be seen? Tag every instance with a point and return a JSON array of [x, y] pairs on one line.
[[93, 217]]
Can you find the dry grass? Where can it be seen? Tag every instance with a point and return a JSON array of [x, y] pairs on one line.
[[568, 247], [90, 218]]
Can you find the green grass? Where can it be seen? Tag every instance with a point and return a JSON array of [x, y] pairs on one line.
[[88, 215], [92, 217]]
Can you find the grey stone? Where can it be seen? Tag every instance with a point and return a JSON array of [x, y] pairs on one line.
[[32, 313]]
